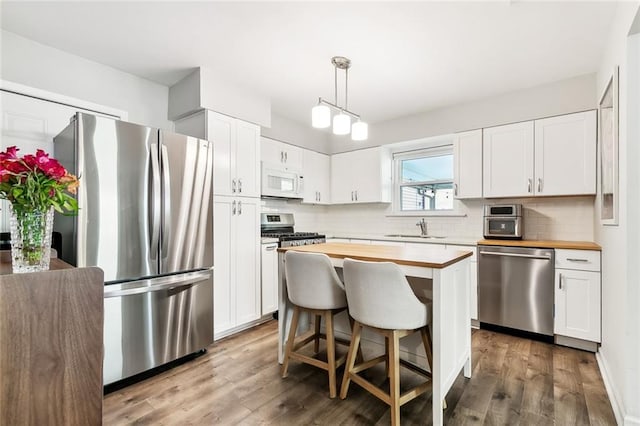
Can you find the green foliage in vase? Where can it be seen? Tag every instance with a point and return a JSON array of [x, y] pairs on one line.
[[36, 183]]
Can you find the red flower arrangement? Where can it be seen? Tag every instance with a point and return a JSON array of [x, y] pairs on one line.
[[36, 182]]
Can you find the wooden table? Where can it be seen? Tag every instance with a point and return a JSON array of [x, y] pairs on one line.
[[51, 326], [449, 272]]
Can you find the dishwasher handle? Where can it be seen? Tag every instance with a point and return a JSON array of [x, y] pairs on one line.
[[528, 256]]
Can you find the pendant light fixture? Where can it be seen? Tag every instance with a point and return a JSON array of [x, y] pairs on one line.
[[321, 113]]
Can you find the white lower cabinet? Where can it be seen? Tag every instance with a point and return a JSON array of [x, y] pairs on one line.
[[577, 295], [236, 300], [269, 287]]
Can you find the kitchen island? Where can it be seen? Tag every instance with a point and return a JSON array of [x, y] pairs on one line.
[[447, 270]]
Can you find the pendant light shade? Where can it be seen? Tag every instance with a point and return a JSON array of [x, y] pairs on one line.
[[320, 116], [321, 113], [341, 124], [359, 131]]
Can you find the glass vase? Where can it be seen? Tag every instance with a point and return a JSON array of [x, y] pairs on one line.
[[30, 239]]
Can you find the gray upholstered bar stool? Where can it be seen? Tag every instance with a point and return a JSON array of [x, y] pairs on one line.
[[314, 287], [381, 299]]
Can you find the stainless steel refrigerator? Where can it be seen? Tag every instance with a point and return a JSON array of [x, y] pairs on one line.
[[146, 219]]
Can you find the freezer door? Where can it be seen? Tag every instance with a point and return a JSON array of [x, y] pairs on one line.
[[151, 322], [119, 197], [186, 236]]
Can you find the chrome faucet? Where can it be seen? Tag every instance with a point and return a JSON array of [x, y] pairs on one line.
[[423, 226]]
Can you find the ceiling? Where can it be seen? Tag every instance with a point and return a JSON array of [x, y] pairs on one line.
[[407, 57]]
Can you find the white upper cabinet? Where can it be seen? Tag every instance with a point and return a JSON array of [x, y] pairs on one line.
[[467, 164], [247, 159], [316, 171], [275, 152], [548, 157], [565, 154], [362, 176], [507, 160], [236, 151]]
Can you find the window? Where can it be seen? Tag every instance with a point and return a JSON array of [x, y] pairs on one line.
[[424, 179]]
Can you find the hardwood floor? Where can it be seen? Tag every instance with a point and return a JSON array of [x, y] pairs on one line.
[[515, 381]]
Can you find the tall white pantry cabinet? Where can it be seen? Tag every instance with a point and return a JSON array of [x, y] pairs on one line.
[[236, 224]]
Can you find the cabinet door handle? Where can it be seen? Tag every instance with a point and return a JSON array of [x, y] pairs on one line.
[[573, 259], [529, 185], [351, 195], [282, 156], [239, 208], [539, 185], [233, 185], [233, 208], [286, 157], [239, 185], [319, 196], [560, 281], [271, 248], [356, 195], [455, 189]]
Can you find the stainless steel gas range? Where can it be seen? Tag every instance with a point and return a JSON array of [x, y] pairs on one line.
[[280, 226]]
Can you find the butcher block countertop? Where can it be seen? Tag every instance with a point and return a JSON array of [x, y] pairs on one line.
[[573, 245], [410, 256]]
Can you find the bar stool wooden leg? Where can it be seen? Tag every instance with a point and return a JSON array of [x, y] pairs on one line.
[[290, 340], [426, 341], [316, 343], [387, 369], [394, 377], [331, 353], [359, 356], [354, 347]]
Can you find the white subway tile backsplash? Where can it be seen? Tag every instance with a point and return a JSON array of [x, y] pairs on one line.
[[570, 218]]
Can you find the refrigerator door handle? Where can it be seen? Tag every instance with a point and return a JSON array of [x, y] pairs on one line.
[[156, 284], [166, 198], [154, 221]]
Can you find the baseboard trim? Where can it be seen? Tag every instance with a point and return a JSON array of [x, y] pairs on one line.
[[614, 398]]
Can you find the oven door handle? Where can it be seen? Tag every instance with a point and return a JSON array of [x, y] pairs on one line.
[[528, 256]]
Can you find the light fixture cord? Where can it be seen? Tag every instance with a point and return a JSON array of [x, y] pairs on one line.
[[346, 88], [335, 82]]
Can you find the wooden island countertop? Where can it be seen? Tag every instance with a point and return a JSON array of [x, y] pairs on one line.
[[410, 256]]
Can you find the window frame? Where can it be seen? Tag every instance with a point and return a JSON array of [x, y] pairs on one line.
[[422, 152]]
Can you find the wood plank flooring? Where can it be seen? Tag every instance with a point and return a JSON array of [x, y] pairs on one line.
[[515, 381]]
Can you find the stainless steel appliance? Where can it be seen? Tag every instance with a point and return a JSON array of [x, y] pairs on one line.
[[146, 219], [281, 225], [281, 182], [504, 221], [515, 288]]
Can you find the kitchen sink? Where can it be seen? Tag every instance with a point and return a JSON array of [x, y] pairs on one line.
[[413, 236]]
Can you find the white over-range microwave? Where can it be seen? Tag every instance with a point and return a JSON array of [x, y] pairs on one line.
[[280, 182]]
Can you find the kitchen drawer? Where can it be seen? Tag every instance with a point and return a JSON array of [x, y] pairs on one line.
[[582, 260], [465, 248]]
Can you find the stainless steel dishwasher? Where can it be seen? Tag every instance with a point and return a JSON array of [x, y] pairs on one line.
[[515, 288]]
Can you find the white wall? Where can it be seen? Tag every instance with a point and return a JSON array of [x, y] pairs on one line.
[[620, 313], [33, 64], [292, 132], [565, 96]]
